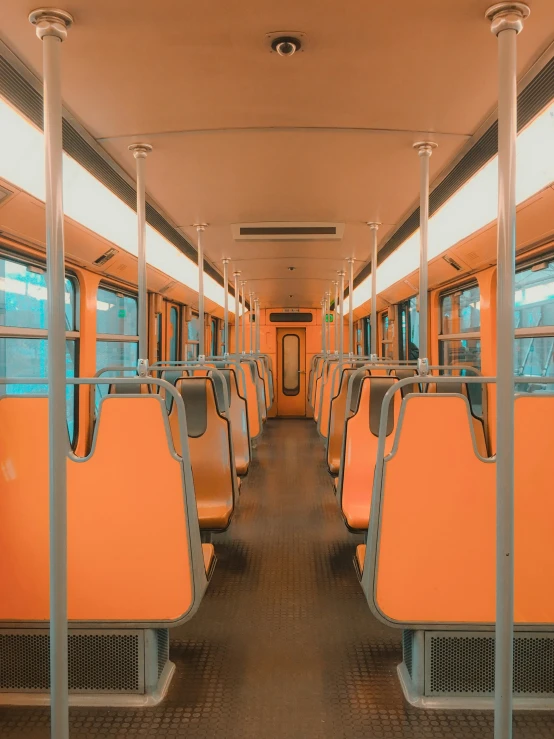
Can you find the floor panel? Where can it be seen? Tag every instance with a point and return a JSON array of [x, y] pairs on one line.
[[283, 646]]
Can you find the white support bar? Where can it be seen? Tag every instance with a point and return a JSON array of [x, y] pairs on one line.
[[236, 275], [374, 226], [140, 152], [226, 306], [350, 306], [200, 228], [424, 150], [506, 22], [243, 332], [51, 27]]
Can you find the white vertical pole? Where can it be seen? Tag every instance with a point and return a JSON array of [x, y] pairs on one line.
[[252, 317], [327, 324], [200, 228], [350, 306], [374, 226], [236, 275], [140, 152], [506, 22], [342, 275], [243, 336], [336, 284], [51, 27], [424, 150], [226, 306], [258, 335], [323, 327]]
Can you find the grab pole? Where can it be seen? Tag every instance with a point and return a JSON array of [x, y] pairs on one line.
[[51, 28], [506, 22]]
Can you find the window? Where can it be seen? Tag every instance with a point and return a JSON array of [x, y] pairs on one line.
[[534, 322], [409, 329], [159, 335], [367, 336], [387, 336], [214, 348], [459, 342], [24, 334], [291, 364], [193, 335], [174, 333], [117, 329]]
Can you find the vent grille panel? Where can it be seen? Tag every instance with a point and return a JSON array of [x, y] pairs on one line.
[[99, 662], [162, 637], [464, 665]]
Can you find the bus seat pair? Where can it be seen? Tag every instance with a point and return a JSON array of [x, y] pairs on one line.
[[436, 515], [134, 548]]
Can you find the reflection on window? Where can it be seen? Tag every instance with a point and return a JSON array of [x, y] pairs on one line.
[[214, 346], [173, 333], [534, 297], [28, 357], [192, 351], [461, 311], [23, 297], [291, 364], [109, 353], [464, 352], [192, 329], [386, 344], [116, 314], [534, 356], [409, 328]]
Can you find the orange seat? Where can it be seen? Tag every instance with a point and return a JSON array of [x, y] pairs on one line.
[[359, 449], [238, 416], [337, 423], [328, 389], [252, 398], [436, 484], [131, 490], [210, 448]]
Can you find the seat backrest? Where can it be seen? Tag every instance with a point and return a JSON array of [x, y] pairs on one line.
[[252, 401], [130, 517], [238, 418], [359, 450], [337, 418], [435, 483], [315, 370], [329, 389], [211, 452]]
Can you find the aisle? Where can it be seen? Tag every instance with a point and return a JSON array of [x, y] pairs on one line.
[[283, 646]]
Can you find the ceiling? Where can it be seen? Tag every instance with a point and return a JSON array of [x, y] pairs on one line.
[[243, 135]]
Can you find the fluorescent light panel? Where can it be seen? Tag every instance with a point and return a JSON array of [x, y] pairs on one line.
[[473, 206], [90, 203]]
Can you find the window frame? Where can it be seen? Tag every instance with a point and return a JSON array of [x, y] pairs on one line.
[[74, 335]]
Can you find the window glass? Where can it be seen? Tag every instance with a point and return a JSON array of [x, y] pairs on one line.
[[192, 351], [465, 352], [461, 311], [192, 328], [28, 357], [116, 313], [413, 329], [159, 332], [461, 351], [23, 297], [534, 356], [109, 353], [387, 351], [214, 337], [173, 333], [291, 364], [534, 297]]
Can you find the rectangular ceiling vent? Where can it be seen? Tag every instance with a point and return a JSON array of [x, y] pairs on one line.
[[105, 257], [279, 231]]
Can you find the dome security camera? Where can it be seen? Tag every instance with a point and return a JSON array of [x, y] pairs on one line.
[[286, 45]]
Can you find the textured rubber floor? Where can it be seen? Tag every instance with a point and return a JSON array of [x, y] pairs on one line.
[[284, 646]]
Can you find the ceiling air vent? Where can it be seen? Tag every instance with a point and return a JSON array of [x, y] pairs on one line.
[[279, 231], [453, 263], [103, 258]]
